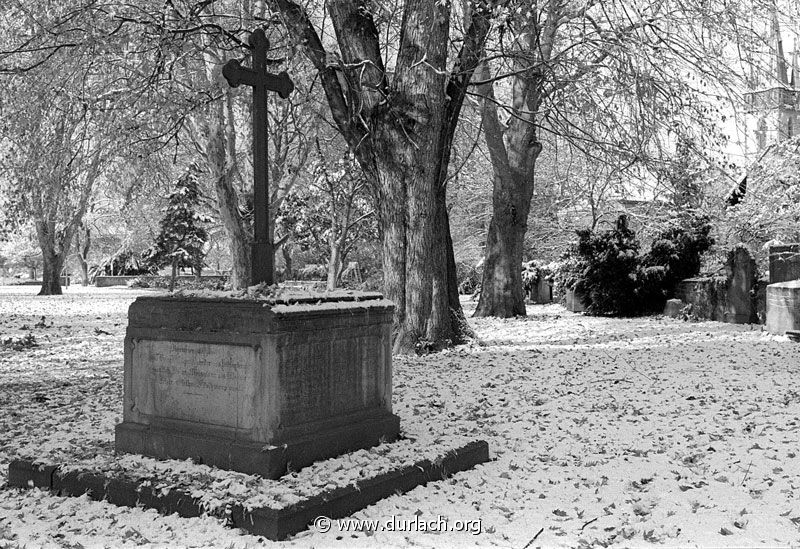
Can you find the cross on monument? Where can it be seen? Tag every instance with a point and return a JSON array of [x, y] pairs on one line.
[[262, 266]]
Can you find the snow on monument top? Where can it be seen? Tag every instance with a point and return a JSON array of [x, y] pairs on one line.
[[284, 299]]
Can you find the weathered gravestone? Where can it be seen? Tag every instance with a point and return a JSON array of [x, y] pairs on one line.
[[783, 307], [740, 270], [542, 292], [256, 386], [784, 263], [674, 308], [574, 301]]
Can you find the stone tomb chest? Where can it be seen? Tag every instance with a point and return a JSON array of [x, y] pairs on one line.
[[783, 307], [257, 386]]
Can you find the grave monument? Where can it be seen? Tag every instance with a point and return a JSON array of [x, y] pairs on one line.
[[783, 307], [784, 263], [263, 384]]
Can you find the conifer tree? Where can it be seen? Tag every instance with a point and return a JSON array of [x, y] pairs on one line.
[[182, 233]]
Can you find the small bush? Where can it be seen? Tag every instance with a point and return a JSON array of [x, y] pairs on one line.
[[678, 253], [610, 278]]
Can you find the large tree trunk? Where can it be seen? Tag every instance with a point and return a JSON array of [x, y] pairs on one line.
[[52, 264], [513, 151], [400, 130], [412, 167], [414, 258], [220, 157], [501, 291], [53, 257], [214, 134]]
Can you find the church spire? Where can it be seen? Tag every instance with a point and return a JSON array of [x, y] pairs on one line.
[[777, 46]]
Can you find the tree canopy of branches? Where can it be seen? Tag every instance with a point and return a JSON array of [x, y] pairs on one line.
[[55, 140], [162, 64], [331, 215]]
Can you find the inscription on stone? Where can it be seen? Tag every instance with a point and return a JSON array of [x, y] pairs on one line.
[[197, 382]]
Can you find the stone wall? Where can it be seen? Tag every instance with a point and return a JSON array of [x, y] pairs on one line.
[[706, 295]]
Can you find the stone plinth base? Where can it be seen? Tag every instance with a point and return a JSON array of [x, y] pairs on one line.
[[274, 524], [255, 457], [783, 307], [256, 386]]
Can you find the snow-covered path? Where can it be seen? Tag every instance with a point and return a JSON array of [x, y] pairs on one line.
[[611, 432]]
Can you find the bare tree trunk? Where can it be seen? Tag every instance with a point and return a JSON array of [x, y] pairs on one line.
[[173, 275], [52, 258], [51, 274], [287, 260], [400, 130], [513, 151], [227, 199], [83, 253], [410, 247], [502, 294], [214, 133], [462, 332], [334, 265], [393, 245]]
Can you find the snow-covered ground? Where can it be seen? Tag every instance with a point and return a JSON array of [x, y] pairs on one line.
[[604, 432]]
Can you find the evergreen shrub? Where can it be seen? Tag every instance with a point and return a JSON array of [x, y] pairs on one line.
[[615, 279]]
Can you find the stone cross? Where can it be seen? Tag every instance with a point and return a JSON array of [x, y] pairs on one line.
[[263, 268]]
